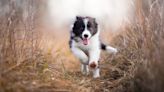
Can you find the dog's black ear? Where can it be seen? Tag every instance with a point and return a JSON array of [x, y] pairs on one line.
[[78, 17], [95, 22], [94, 19]]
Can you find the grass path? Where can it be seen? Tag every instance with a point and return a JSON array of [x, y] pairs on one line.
[[113, 73]]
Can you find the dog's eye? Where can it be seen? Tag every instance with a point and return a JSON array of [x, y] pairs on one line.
[[89, 25], [81, 27]]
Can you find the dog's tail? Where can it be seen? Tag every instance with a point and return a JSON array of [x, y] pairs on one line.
[[109, 49]]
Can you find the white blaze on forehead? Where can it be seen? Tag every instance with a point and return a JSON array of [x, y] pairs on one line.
[[86, 22], [86, 31]]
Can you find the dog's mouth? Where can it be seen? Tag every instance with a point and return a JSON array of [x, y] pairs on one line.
[[85, 41]]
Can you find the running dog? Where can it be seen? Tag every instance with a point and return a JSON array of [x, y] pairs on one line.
[[85, 44]]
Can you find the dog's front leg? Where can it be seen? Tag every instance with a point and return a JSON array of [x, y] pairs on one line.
[[80, 55], [83, 59], [84, 69], [94, 56]]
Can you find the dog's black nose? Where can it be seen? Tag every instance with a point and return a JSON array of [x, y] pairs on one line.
[[85, 35]]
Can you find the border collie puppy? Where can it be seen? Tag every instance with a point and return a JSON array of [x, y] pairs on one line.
[[85, 44]]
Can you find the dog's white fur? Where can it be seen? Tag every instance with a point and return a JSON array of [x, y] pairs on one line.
[[93, 49]]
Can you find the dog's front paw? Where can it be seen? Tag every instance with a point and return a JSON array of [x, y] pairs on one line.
[[96, 76], [96, 73], [93, 65], [85, 72]]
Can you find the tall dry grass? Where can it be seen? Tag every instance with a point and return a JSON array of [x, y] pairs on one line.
[[22, 63], [149, 75], [142, 44]]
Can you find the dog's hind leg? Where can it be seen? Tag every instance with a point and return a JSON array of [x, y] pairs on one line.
[[108, 48]]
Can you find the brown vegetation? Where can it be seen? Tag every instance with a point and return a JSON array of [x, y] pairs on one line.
[[32, 60]]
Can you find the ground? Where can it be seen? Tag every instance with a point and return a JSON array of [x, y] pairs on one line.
[[57, 70], [112, 73], [114, 70]]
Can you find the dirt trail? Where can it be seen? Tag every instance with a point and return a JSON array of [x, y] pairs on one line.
[[55, 69], [67, 75], [112, 72]]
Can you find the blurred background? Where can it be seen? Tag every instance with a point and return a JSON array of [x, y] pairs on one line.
[[35, 56]]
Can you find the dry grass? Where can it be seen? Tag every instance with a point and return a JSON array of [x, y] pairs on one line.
[[22, 63], [141, 44], [32, 60]]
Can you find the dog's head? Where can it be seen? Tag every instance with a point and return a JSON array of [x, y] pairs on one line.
[[84, 28]]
